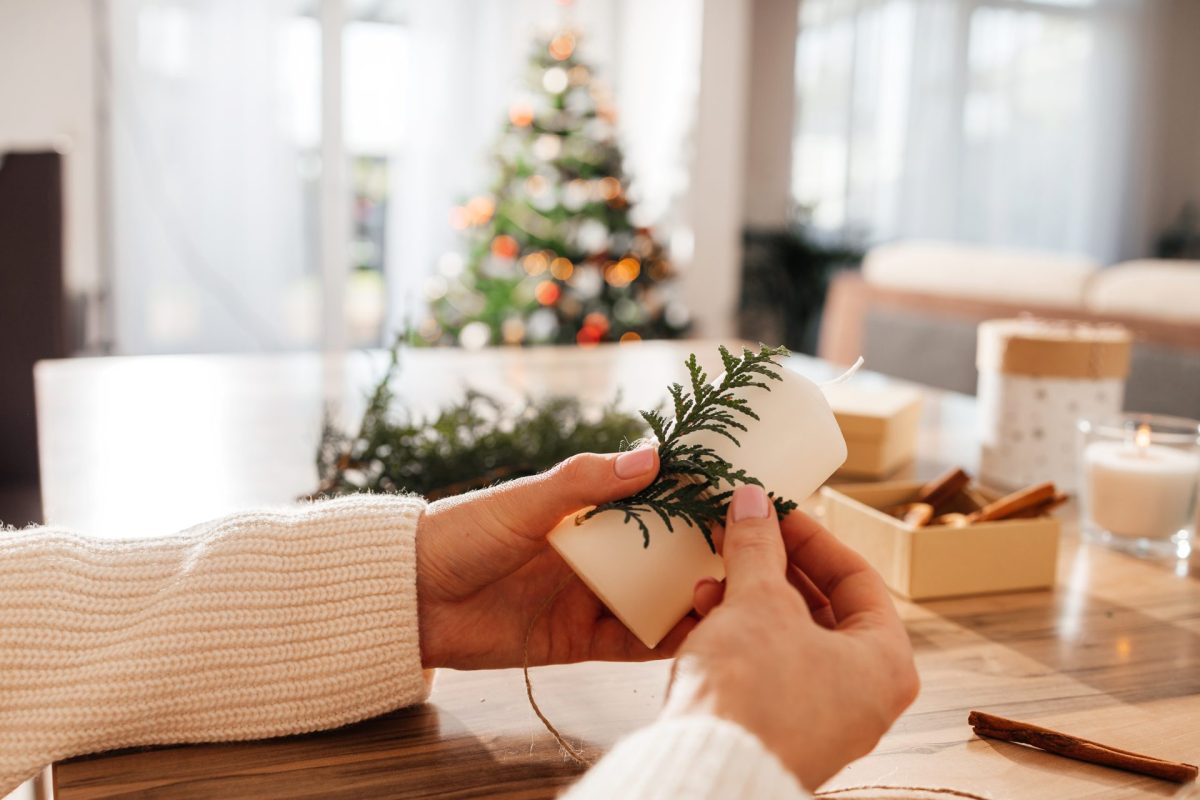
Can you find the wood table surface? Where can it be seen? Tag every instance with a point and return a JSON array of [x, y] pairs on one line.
[[142, 446]]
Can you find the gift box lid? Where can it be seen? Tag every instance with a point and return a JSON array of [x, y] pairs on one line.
[[1053, 349], [867, 412]]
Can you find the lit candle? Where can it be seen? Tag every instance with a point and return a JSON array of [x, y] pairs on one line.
[[1141, 490]]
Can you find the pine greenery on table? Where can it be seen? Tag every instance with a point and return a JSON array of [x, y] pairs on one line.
[[691, 477], [468, 445], [478, 442]]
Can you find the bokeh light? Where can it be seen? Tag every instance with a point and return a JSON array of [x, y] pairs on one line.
[[623, 273], [562, 46], [610, 188], [555, 80], [474, 335], [561, 268], [512, 331], [521, 115], [547, 293], [505, 247], [547, 147], [535, 263]]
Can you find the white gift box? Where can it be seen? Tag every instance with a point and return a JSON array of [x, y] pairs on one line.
[[1037, 379]]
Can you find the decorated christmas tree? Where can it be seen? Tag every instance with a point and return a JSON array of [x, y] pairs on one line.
[[550, 253]]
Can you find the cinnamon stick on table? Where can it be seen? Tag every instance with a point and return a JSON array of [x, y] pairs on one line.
[[1064, 744]]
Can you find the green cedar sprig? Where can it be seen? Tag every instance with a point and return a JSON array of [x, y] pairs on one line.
[[470, 444], [690, 477]]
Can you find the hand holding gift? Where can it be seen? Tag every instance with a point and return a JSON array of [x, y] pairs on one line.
[[756, 423], [802, 645], [484, 570]]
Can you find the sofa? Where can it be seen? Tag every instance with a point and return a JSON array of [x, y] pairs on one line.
[[913, 309]]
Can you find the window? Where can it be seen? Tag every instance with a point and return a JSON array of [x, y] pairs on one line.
[[215, 171], [1002, 122]]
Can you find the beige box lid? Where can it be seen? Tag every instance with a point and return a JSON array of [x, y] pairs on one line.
[[867, 411], [1053, 349]]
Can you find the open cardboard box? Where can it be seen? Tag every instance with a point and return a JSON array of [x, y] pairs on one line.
[[938, 560]]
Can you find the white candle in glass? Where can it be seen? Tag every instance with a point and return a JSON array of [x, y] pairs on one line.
[[1141, 490]]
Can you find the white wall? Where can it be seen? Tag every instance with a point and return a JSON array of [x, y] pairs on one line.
[[47, 101], [771, 121], [716, 195]]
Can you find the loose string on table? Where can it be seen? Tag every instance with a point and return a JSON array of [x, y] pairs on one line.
[[942, 790], [575, 754]]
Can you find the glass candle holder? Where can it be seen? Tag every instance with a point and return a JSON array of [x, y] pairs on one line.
[[1138, 479]]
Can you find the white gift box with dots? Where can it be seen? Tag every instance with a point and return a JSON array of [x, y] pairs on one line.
[[1029, 425]]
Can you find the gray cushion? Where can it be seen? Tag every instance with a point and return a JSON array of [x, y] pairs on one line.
[[940, 351]]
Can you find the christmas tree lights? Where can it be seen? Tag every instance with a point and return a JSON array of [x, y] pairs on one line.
[[551, 254]]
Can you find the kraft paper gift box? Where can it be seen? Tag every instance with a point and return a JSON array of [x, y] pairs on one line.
[[939, 560], [879, 424], [1037, 379]]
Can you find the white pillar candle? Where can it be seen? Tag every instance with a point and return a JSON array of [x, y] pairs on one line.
[[1140, 490], [793, 447]]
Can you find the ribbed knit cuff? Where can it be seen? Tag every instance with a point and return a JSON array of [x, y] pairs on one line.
[[696, 757], [256, 625]]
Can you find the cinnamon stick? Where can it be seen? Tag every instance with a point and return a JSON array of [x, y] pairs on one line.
[[943, 488], [1063, 744], [1042, 509], [915, 514], [1015, 503]]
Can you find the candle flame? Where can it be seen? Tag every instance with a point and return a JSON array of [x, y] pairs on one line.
[[1142, 437]]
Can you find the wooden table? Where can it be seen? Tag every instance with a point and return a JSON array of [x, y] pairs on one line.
[[139, 446]]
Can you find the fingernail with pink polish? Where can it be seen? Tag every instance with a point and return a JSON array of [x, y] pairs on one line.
[[634, 463], [749, 502]]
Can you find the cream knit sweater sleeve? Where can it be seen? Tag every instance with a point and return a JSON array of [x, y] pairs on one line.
[[266, 624], [698, 757], [260, 624]]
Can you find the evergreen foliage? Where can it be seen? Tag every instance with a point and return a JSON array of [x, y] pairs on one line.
[[468, 445], [477, 443], [691, 476]]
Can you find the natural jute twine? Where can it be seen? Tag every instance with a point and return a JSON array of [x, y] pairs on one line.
[[884, 788], [577, 756]]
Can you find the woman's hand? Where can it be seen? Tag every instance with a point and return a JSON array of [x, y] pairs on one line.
[[800, 646], [484, 570]]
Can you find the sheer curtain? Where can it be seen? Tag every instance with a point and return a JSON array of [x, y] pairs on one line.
[[1003, 122], [215, 114], [211, 247]]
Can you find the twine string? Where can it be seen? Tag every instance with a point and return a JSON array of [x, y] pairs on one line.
[[847, 375], [575, 754], [942, 790]]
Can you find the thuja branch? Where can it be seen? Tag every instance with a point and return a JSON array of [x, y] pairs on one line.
[[467, 445], [693, 483]]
